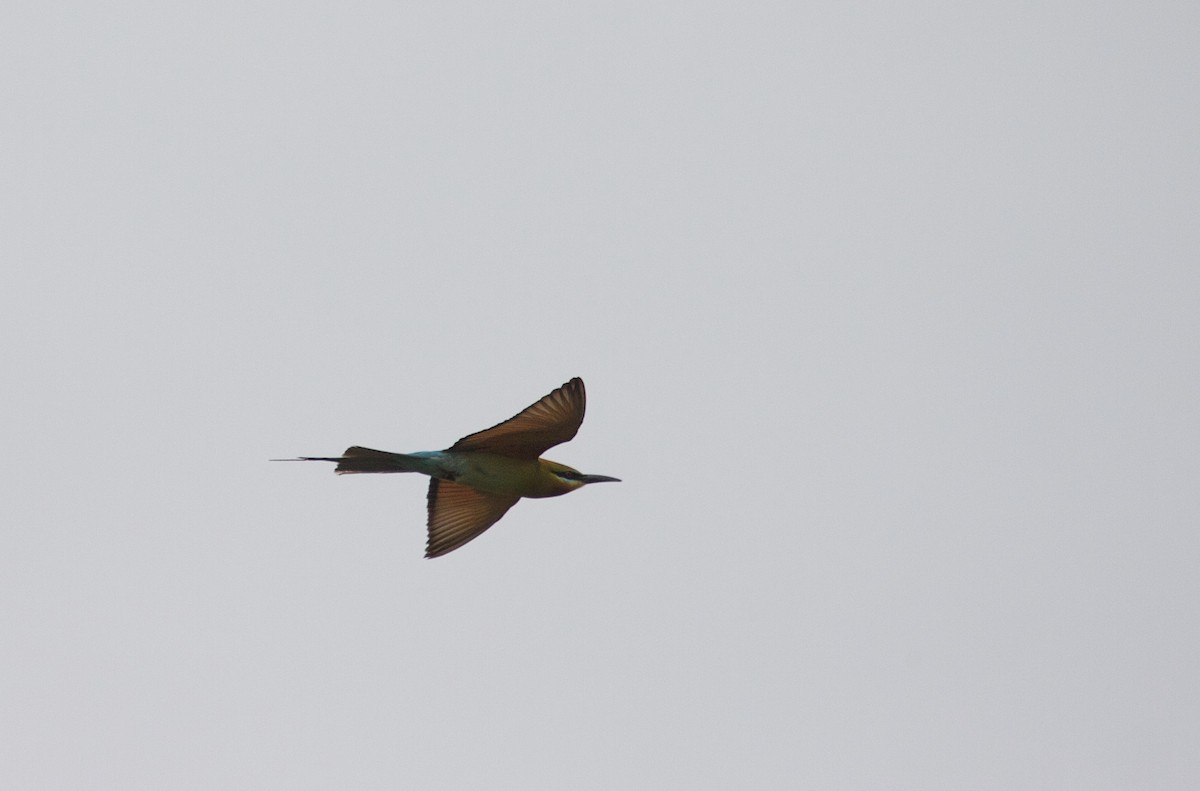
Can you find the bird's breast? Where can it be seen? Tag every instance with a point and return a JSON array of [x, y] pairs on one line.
[[498, 474]]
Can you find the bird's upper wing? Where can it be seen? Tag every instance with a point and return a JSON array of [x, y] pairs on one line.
[[459, 513], [528, 434]]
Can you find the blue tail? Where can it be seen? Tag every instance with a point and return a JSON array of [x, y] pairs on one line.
[[358, 459]]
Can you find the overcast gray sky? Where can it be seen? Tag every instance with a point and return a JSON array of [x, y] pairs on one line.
[[889, 319]]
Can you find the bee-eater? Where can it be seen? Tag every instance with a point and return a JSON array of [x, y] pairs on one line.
[[477, 479]]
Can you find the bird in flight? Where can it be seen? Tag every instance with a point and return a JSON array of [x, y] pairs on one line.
[[477, 479]]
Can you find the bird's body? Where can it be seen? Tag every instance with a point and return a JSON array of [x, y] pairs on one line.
[[484, 472], [476, 480]]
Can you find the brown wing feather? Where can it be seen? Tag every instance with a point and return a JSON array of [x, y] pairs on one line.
[[528, 434], [459, 513]]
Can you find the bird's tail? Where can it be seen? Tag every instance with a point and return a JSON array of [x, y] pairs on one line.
[[358, 459]]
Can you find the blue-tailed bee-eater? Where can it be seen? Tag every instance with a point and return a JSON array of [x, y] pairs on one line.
[[477, 479]]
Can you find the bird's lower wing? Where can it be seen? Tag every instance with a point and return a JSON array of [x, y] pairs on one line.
[[459, 513]]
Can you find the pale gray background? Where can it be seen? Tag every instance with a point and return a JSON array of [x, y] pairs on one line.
[[888, 314]]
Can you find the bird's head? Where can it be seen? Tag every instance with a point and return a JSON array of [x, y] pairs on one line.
[[569, 478]]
